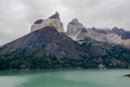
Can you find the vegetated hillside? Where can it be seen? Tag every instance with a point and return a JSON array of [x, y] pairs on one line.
[[44, 48], [112, 56]]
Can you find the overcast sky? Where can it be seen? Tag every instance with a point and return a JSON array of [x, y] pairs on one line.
[[17, 16]]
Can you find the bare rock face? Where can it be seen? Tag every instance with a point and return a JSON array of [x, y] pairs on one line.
[[54, 21], [74, 28], [120, 32], [82, 35], [117, 40], [110, 38], [56, 15], [118, 36], [77, 32]]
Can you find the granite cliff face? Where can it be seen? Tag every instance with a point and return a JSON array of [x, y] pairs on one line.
[[74, 28], [54, 21]]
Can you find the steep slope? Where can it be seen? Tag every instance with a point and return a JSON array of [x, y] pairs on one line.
[[43, 48]]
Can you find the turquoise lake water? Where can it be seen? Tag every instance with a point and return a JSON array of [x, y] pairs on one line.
[[65, 78]]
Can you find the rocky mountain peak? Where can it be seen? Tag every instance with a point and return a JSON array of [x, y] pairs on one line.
[[56, 15], [84, 30], [38, 21], [74, 21], [74, 28], [118, 31], [115, 30], [99, 30], [53, 21]]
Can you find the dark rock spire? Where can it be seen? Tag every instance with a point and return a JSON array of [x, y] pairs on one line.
[[56, 15]]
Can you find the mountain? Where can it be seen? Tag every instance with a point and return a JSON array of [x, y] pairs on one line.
[[47, 46], [109, 48], [54, 21], [73, 28], [115, 36], [120, 32]]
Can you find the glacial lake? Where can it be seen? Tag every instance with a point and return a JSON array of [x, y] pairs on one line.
[[65, 78]]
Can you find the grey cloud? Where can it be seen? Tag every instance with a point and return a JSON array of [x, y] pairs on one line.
[[17, 16], [101, 13], [39, 8]]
